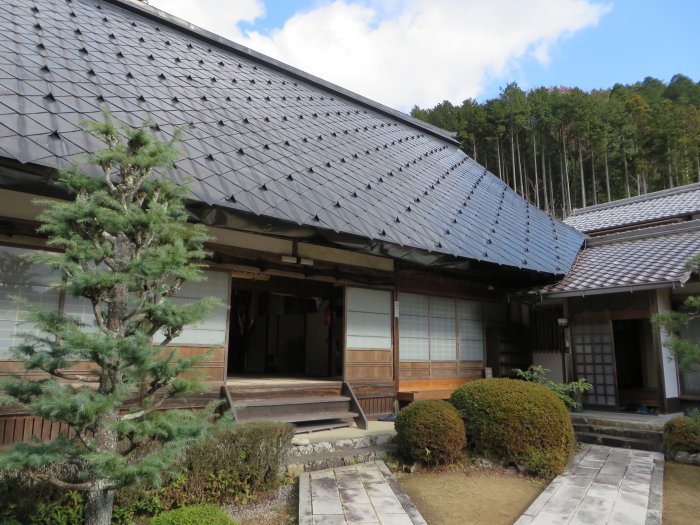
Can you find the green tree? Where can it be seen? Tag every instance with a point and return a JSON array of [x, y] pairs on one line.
[[124, 245], [687, 352]]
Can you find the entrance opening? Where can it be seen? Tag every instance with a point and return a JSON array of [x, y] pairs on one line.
[[285, 327], [636, 367]]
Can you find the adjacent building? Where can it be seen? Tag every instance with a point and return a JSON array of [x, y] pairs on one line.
[[633, 265]]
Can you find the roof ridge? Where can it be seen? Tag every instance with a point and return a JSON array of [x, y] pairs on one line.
[[637, 198], [643, 233], [153, 13]]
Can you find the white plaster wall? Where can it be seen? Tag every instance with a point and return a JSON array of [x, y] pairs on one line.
[[663, 300], [551, 361]]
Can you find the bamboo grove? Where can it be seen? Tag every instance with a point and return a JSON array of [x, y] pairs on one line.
[[564, 148]]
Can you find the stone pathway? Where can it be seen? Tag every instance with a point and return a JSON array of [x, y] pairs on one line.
[[603, 485], [366, 494]]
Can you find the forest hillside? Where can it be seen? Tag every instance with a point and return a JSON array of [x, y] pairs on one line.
[[563, 148]]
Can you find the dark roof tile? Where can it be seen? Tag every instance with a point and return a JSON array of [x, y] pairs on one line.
[[652, 207], [646, 257]]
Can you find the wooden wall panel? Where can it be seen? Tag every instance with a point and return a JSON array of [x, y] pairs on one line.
[[408, 369], [368, 365], [212, 370], [445, 285], [375, 398], [374, 407], [444, 369]]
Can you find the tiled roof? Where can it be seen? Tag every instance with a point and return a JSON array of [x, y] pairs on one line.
[[652, 207], [643, 258], [261, 139]]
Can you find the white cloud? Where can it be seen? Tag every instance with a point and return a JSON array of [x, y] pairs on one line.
[[406, 52], [218, 16]]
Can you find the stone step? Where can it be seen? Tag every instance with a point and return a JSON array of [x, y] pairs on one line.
[[619, 441], [297, 464], [652, 424], [653, 436], [317, 427]]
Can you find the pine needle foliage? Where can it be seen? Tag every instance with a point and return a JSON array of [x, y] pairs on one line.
[[686, 351], [124, 245]]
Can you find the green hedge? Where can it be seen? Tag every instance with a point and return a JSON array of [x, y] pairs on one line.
[[682, 434], [516, 422], [430, 431], [231, 466], [205, 514]]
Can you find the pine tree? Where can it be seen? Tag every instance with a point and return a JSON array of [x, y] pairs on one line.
[[686, 351], [124, 245]]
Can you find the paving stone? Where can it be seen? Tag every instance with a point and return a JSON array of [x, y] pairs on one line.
[[332, 519], [360, 513], [354, 496], [364, 494], [326, 505], [379, 488], [626, 488], [396, 519], [387, 505]]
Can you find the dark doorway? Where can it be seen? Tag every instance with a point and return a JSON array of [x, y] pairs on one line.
[[288, 327], [636, 366]]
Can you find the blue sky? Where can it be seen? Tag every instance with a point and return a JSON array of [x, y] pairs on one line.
[[406, 52], [635, 39]]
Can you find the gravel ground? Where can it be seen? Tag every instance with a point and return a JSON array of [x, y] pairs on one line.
[[277, 508]]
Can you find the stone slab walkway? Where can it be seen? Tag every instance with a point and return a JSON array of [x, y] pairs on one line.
[[366, 494], [603, 485]]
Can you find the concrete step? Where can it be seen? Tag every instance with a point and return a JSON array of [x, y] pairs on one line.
[[653, 436], [296, 464], [619, 441], [318, 427], [616, 420]]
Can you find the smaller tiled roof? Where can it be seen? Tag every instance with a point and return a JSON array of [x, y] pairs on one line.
[[645, 258], [652, 207]]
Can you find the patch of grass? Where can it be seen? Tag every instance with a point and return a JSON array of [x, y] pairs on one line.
[[681, 489], [488, 496]]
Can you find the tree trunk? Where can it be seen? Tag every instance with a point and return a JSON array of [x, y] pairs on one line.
[[552, 203], [627, 178], [697, 164], [474, 146], [537, 180], [563, 186], [498, 154], [98, 506], [512, 154], [607, 173], [583, 180], [670, 166], [593, 181], [523, 186], [544, 178], [566, 176]]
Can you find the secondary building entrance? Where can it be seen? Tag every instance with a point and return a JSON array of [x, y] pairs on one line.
[[617, 357]]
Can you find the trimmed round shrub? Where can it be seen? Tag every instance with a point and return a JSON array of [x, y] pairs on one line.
[[517, 422], [205, 514], [431, 431], [682, 434]]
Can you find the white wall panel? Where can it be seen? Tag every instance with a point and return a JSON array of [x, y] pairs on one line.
[[369, 320]]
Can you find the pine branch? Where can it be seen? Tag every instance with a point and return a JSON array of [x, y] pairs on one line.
[[73, 377], [84, 486]]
